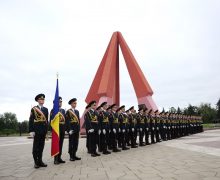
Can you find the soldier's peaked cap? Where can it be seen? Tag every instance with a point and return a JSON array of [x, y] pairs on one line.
[[150, 111], [104, 103], [39, 96], [132, 107], [113, 105], [120, 108], [90, 104], [72, 100], [98, 108]]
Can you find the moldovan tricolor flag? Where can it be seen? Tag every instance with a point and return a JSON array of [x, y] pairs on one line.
[[55, 124]]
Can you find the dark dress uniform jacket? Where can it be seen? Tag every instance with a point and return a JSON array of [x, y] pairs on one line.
[[122, 121], [38, 121], [72, 120], [132, 121], [113, 121], [104, 120], [91, 120], [140, 121]]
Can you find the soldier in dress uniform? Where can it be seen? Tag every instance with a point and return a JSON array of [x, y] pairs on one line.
[[127, 137], [163, 126], [147, 127], [114, 128], [104, 126], [92, 126], [73, 128], [187, 124], [141, 126], [172, 125], [38, 126], [151, 115], [157, 131], [132, 126], [98, 110], [62, 129], [122, 118], [168, 122], [177, 125], [136, 129], [87, 133]]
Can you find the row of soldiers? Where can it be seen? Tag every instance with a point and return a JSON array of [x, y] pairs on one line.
[[114, 128], [107, 128]]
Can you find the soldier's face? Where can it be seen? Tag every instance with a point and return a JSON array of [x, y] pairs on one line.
[[93, 106], [105, 107], [114, 108], [41, 101], [73, 104], [60, 103]]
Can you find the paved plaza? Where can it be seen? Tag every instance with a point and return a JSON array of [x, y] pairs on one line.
[[188, 158]]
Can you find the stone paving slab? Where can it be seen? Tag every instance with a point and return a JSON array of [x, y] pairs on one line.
[[178, 159]]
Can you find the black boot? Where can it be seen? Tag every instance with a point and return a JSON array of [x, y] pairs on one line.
[[106, 152], [125, 148], [41, 163], [116, 150], [75, 157], [36, 163], [60, 160], [56, 160], [97, 154], [71, 157]]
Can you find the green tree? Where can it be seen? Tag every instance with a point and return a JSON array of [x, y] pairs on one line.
[[191, 110], [207, 112], [24, 126], [9, 123], [179, 110]]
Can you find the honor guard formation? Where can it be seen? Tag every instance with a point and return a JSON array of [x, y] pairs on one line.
[[108, 128]]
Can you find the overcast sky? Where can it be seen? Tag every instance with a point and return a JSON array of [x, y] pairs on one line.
[[176, 43]]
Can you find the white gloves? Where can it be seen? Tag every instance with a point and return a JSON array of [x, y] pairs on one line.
[[32, 134], [104, 131], [119, 130], [91, 130], [147, 129], [153, 128], [141, 129], [132, 129], [157, 128], [71, 132], [128, 130], [99, 131], [114, 130], [164, 127], [123, 130]]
